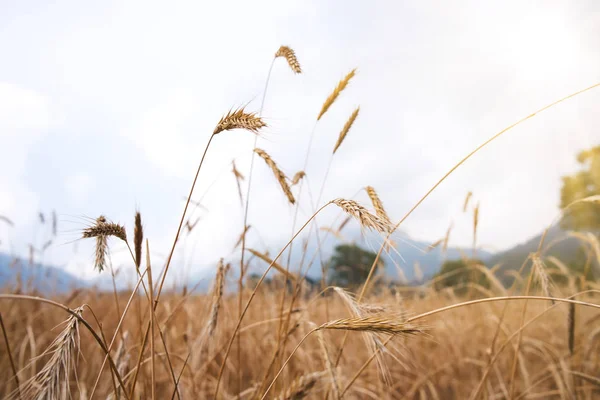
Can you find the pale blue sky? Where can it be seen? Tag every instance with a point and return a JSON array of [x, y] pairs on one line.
[[106, 106]]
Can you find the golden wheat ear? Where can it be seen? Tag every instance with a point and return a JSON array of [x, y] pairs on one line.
[[346, 129], [336, 92], [279, 175], [101, 231], [363, 216], [239, 119], [290, 56]]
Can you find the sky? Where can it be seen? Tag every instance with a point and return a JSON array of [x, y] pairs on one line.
[[106, 107]]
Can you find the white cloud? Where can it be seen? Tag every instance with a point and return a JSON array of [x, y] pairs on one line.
[[24, 119], [78, 187]]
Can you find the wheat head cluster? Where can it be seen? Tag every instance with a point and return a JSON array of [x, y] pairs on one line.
[[279, 337]]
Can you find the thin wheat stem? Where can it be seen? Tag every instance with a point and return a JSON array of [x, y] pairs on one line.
[[10, 357], [246, 208], [262, 278]]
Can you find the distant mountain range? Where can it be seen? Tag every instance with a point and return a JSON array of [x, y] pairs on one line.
[[408, 252], [557, 243], [16, 273]]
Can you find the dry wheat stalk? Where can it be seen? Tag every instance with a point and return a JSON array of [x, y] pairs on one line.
[[297, 176], [216, 298], [364, 217], [279, 175], [335, 233], [345, 129], [101, 231], [336, 92], [290, 56], [239, 241], [378, 205], [301, 387], [475, 224], [276, 266], [541, 275], [387, 323], [447, 238], [335, 386], [52, 382], [466, 204], [105, 228], [122, 358], [571, 325], [138, 238], [434, 245], [239, 119], [344, 223], [238, 179]]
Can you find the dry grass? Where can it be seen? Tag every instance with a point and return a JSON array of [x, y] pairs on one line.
[[295, 341], [279, 175]]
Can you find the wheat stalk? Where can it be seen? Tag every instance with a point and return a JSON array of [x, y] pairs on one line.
[[52, 382], [275, 265], [336, 92], [238, 179], [378, 205], [466, 203], [387, 323], [290, 56], [239, 119], [301, 387], [101, 231], [335, 386], [364, 217], [297, 176], [279, 175], [239, 241], [345, 129], [216, 298], [541, 275], [138, 238], [434, 245], [447, 238], [104, 228]]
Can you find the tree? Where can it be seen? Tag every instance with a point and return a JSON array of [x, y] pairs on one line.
[[460, 272], [350, 265], [585, 183]]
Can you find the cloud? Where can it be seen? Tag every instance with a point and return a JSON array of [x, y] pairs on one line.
[[24, 119]]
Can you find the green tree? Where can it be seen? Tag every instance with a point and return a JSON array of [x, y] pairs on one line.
[[350, 265], [586, 182], [460, 272]]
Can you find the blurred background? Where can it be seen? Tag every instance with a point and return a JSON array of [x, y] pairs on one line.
[[105, 108]]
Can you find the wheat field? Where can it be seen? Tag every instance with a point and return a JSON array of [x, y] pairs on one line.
[[284, 338]]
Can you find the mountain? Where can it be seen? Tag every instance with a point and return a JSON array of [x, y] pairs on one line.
[[406, 253], [43, 279], [557, 243], [46, 279]]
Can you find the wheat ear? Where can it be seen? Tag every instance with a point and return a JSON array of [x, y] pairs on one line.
[[279, 175], [345, 129], [336, 92], [290, 56], [239, 119]]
